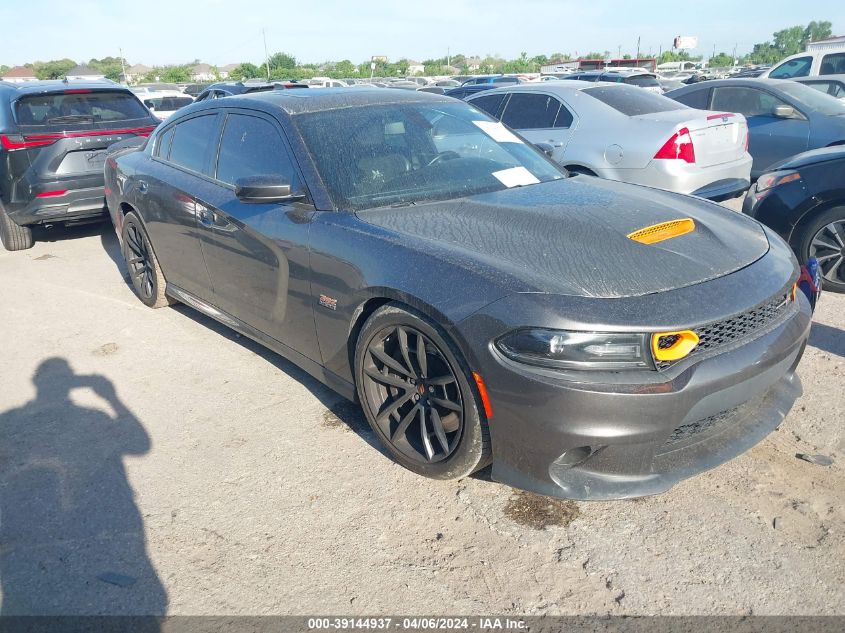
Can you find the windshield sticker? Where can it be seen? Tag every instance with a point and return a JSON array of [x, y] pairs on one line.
[[497, 132], [515, 177]]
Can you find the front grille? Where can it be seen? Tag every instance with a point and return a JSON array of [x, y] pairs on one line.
[[723, 333], [686, 431]]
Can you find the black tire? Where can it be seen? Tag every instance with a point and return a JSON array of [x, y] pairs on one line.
[[14, 236], [460, 442], [144, 272], [813, 240]]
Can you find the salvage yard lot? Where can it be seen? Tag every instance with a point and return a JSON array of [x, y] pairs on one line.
[[258, 491]]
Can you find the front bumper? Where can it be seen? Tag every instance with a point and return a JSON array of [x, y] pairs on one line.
[[644, 431]]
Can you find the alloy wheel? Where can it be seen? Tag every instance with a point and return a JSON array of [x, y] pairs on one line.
[[139, 261], [413, 394], [828, 246]]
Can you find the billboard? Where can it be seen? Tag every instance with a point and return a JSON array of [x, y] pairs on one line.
[[686, 41]]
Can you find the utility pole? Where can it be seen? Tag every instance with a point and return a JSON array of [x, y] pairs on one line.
[[448, 56], [266, 54], [734, 56], [638, 46], [619, 52], [123, 66]]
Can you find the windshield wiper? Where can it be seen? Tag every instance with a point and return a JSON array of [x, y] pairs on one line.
[[72, 118]]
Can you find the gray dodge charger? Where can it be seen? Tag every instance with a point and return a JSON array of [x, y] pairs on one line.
[[590, 339]]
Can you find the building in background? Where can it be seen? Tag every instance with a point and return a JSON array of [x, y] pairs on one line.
[[85, 73], [19, 74]]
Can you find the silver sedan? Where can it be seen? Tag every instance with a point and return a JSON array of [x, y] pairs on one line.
[[625, 133]]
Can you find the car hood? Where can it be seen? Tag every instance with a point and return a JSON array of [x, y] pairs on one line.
[[570, 236]]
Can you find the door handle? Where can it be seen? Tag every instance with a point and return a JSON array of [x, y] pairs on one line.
[[143, 187], [205, 216]]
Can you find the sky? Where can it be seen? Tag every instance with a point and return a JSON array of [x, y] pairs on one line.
[[158, 32]]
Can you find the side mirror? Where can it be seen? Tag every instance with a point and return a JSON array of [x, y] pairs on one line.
[[547, 149], [265, 189], [784, 112]]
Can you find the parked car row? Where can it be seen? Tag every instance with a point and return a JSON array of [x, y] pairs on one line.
[[416, 254]]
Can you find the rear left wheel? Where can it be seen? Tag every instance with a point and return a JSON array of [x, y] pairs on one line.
[[144, 271], [417, 397], [14, 236]]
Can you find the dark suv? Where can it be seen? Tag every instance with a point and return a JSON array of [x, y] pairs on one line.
[[53, 140]]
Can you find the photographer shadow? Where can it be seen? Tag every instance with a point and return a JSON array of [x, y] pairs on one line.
[[71, 537]]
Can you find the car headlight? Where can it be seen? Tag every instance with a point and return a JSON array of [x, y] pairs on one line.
[[776, 178], [577, 350]]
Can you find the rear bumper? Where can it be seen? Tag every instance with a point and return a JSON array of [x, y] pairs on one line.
[[716, 182], [73, 205]]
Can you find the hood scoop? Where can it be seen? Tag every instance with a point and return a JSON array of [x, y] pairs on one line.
[[663, 231]]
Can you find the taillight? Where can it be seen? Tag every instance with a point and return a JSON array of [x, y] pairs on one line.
[[16, 141], [51, 194], [679, 147]]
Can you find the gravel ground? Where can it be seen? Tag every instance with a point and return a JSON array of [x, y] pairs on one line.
[[154, 462]]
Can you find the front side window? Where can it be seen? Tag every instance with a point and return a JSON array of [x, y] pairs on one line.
[[252, 147], [531, 111], [403, 154], [192, 142], [747, 101], [799, 67]]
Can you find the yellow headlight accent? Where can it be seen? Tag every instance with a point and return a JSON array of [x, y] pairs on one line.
[[663, 231], [673, 345]]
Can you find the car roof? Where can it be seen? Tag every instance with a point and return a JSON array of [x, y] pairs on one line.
[[750, 82], [295, 102], [557, 86], [834, 77], [53, 85], [812, 157]]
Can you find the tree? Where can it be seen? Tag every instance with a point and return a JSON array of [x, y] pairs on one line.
[[789, 41], [245, 71], [722, 60], [3, 69], [816, 31], [169, 74], [281, 61], [111, 67], [55, 69]]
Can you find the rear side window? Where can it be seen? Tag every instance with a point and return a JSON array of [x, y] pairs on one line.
[[192, 141], [163, 145], [632, 101], [252, 147], [643, 81], [833, 64], [793, 68], [79, 107], [168, 104], [611, 78], [698, 99], [531, 112], [489, 104]]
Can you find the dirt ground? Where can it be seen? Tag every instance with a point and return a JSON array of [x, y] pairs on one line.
[[154, 462]]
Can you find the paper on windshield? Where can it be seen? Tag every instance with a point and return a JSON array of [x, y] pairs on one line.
[[497, 132], [515, 176]]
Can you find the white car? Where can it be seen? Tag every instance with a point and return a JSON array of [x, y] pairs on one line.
[[620, 132], [163, 104], [824, 61]]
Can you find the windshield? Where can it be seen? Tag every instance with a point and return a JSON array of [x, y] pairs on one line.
[[79, 106], [399, 154], [813, 99]]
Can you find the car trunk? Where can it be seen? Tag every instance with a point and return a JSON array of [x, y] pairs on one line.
[[717, 137], [63, 136]]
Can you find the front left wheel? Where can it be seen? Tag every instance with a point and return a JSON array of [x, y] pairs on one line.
[[144, 271], [824, 238], [417, 396]]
